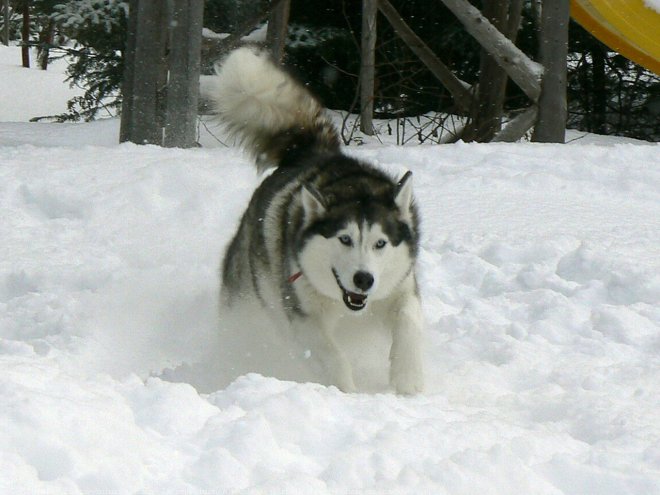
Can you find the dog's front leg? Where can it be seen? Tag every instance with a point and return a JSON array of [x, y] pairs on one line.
[[336, 363], [318, 334], [406, 361]]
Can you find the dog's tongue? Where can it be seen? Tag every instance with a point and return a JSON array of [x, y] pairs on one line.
[[354, 301]]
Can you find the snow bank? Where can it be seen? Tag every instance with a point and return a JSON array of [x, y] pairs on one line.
[[540, 275]]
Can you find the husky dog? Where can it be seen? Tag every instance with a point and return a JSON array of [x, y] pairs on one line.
[[325, 237]]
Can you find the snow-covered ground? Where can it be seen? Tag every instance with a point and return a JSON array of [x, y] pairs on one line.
[[25, 94], [540, 277]]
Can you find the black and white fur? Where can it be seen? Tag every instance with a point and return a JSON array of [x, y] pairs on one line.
[[326, 238]]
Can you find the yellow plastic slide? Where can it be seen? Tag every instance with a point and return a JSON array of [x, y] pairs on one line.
[[630, 27]]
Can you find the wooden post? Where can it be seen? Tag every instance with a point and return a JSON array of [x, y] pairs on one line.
[[145, 73], [184, 66], [278, 28], [368, 65], [553, 50]]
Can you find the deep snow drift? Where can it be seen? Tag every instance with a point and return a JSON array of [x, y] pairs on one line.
[[540, 278]]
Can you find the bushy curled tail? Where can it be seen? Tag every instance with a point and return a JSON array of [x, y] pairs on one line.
[[267, 110]]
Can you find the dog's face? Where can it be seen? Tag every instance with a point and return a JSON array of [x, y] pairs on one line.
[[357, 253]]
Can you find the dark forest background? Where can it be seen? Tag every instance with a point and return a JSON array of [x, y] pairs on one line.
[[607, 94]]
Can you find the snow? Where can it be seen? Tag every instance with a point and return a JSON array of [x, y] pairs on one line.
[[19, 87], [256, 36], [540, 279], [653, 5]]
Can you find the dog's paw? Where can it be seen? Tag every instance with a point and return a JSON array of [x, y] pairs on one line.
[[408, 380], [346, 384]]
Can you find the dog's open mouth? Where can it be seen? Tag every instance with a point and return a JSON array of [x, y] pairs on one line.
[[352, 300]]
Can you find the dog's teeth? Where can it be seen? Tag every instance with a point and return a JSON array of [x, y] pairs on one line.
[[357, 304]]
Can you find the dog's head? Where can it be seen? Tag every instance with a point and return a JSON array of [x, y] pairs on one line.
[[360, 250]]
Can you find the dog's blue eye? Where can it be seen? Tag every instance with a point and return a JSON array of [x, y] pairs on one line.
[[380, 244], [346, 240]]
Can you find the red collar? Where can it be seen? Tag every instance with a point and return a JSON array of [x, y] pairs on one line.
[[294, 277]]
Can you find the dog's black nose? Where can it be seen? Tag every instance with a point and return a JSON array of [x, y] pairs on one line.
[[363, 280]]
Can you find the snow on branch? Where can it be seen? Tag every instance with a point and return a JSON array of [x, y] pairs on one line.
[[521, 69], [78, 14]]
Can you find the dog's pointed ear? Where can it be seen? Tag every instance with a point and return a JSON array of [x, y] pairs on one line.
[[312, 202], [403, 195]]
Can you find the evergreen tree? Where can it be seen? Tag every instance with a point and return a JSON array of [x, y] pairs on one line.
[[97, 29]]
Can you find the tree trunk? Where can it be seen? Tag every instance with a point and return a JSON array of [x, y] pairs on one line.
[[367, 65], [278, 28], [184, 66], [536, 7], [599, 90], [145, 73], [487, 111], [45, 42], [553, 50], [6, 24], [25, 34], [515, 16], [128, 77]]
